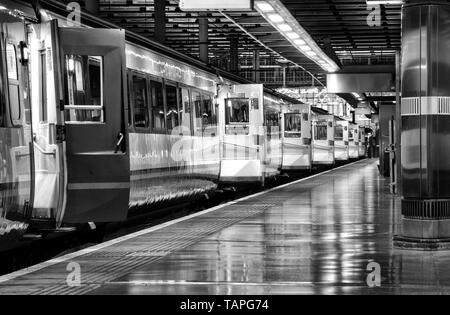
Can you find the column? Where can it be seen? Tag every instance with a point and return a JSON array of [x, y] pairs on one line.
[[425, 126], [203, 36], [160, 21], [234, 53], [256, 66]]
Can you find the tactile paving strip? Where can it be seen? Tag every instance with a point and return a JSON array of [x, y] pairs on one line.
[[113, 262]]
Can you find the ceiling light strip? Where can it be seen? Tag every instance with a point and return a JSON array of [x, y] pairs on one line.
[[282, 20], [268, 48]]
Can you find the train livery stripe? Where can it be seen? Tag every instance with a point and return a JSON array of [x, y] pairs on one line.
[[112, 242], [88, 186]]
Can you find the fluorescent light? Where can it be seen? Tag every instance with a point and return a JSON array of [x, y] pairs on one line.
[[264, 6], [384, 2], [305, 48], [292, 35], [300, 42], [276, 18], [276, 13], [285, 27]]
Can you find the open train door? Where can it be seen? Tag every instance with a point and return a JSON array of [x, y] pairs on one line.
[[93, 76]]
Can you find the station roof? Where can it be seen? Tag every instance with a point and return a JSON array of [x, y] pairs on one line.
[[339, 27]]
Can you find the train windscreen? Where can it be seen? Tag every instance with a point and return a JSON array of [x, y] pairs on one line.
[[237, 116], [293, 125], [321, 130], [339, 133]]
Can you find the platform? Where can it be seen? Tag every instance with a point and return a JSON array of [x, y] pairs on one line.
[[314, 236]]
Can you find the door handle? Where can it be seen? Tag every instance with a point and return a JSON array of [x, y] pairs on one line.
[[120, 138]]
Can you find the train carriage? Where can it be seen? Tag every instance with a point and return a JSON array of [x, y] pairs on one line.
[[251, 134], [16, 138], [361, 141], [296, 126], [341, 137], [323, 139], [353, 145]]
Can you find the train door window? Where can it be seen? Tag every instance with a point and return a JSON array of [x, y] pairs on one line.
[[293, 125], [172, 107], [13, 82], [140, 102], [185, 109], [43, 86], [197, 106], [272, 123], [237, 116], [272, 120], [321, 130], [158, 114], [339, 133], [129, 99], [350, 135], [84, 89]]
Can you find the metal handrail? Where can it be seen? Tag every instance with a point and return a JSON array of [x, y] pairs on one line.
[[44, 151], [85, 107]]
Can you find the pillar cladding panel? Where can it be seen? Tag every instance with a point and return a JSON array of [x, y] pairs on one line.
[[411, 52], [411, 153], [426, 72], [438, 170], [439, 48], [412, 170]]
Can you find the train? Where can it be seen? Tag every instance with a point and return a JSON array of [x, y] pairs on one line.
[[96, 122]]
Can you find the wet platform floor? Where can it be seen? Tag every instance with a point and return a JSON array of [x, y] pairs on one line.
[[315, 236]]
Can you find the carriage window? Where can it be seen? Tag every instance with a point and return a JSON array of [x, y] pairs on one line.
[[43, 87], [13, 82], [158, 114], [11, 59], [197, 106], [185, 117], [351, 135], [140, 102], [339, 133], [84, 89], [321, 130], [237, 111], [292, 125], [129, 99], [172, 107]]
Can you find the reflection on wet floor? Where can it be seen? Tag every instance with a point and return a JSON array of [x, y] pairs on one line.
[[316, 236]]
